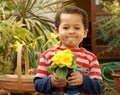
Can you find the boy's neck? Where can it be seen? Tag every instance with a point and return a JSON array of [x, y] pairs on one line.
[[69, 47]]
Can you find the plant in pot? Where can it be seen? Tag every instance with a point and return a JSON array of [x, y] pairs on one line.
[[37, 17], [109, 30], [11, 35]]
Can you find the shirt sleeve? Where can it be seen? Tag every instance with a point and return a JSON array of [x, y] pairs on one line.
[[94, 69], [92, 80], [42, 78], [93, 86], [43, 85], [42, 67]]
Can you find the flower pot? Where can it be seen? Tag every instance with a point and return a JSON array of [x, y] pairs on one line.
[[69, 72], [116, 78]]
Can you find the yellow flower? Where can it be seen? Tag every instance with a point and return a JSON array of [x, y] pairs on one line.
[[66, 58], [56, 59], [63, 58], [61, 62], [53, 36], [15, 45], [56, 44]]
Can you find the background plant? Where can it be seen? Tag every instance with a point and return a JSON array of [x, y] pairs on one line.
[[108, 26], [35, 16], [12, 34]]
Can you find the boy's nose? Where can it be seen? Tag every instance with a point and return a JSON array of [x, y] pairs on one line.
[[71, 30]]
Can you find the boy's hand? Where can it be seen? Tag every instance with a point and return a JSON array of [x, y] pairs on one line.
[[75, 79], [55, 82]]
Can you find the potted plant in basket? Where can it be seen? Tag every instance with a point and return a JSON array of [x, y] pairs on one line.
[[37, 16], [11, 35]]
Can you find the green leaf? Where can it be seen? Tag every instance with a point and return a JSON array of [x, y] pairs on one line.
[[62, 73], [51, 68], [61, 66], [74, 60], [75, 66]]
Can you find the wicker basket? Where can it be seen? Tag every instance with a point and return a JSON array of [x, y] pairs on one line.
[[19, 83], [116, 78]]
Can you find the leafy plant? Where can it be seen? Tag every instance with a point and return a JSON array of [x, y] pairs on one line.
[[11, 35], [108, 26], [37, 15], [29, 22]]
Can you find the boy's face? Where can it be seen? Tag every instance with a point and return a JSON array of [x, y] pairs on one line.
[[71, 30]]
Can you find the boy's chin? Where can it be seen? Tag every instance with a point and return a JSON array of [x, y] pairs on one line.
[[71, 45]]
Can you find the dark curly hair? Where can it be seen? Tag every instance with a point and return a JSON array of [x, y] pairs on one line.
[[72, 10]]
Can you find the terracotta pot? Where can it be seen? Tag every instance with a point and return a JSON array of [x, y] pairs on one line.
[[116, 78]]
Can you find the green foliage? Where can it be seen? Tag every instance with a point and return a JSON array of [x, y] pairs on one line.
[[12, 34], [32, 59], [51, 68], [6, 67], [37, 15], [28, 22], [62, 73], [108, 26]]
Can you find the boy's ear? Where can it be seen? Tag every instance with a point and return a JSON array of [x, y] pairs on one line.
[[85, 33], [56, 31]]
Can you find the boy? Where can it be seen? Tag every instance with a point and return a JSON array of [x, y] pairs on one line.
[[71, 28]]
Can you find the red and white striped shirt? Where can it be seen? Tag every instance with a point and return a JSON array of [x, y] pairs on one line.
[[86, 59]]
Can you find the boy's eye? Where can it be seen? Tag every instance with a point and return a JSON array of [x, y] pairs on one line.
[[65, 27], [77, 28]]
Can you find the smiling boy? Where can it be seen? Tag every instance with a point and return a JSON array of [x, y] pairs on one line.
[[71, 27]]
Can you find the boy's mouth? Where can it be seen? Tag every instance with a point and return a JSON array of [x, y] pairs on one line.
[[71, 37]]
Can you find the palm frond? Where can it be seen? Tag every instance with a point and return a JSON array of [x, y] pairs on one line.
[[108, 26]]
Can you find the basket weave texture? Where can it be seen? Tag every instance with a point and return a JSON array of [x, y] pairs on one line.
[[19, 83]]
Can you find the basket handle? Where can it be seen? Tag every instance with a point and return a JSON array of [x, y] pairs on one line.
[[21, 48]]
